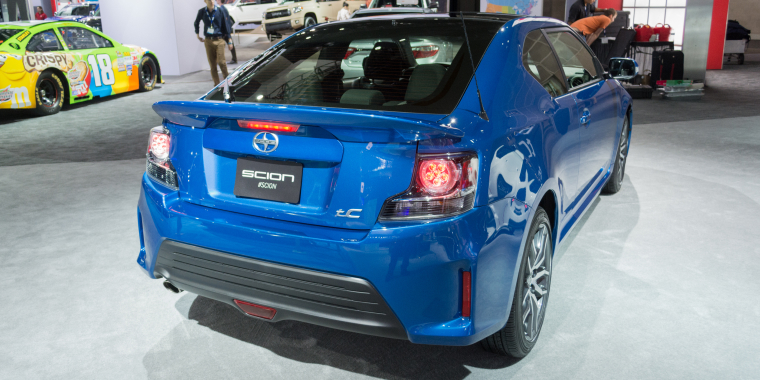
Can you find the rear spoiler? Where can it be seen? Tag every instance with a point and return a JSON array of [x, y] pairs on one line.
[[344, 124]]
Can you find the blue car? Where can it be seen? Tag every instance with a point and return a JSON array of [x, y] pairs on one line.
[[413, 201]]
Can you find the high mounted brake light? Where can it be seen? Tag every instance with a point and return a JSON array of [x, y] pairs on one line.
[[442, 185], [268, 126]]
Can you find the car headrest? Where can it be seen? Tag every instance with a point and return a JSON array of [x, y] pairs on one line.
[[386, 62], [424, 80], [363, 97]]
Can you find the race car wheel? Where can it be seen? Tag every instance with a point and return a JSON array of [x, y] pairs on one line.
[[615, 182], [309, 21], [49, 94], [526, 317], [148, 74]]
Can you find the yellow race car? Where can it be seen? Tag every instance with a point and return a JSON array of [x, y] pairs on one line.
[[46, 64]]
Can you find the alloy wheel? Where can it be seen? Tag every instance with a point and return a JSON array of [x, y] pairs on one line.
[[536, 289], [147, 75], [623, 151]]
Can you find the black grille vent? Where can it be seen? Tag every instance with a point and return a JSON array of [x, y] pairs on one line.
[[276, 14]]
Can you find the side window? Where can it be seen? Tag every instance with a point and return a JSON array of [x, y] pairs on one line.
[[44, 41], [81, 39], [266, 1], [575, 58], [540, 62]]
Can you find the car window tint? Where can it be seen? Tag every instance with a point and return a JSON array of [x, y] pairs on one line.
[[576, 60], [45, 41], [81, 39], [540, 62], [414, 65]]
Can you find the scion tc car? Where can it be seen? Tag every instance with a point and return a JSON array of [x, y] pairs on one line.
[[422, 202], [44, 65]]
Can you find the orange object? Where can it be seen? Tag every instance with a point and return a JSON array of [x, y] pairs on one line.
[[589, 25]]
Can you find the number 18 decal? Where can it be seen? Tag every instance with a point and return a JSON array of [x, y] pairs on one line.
[[102, 69]]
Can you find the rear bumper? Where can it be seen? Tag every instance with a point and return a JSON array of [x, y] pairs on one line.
[[341, 302], [409, 275]]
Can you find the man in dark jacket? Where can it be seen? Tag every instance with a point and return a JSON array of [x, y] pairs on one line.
[[215, 34], [581, 9], [230, 23]]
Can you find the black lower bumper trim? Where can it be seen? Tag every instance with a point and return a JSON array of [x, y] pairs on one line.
[[277, 26], [325, 299]]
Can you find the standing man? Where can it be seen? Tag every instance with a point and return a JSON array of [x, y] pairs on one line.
[[592, 27], [581, 9], [215, 35], [230, 22], [343, 14]]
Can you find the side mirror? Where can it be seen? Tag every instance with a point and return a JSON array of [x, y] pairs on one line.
[[623, 68], [433, 4], [92, 13], [363, 6]]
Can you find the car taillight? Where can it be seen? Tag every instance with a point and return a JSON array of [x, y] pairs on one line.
[[158, 165], [268, 125], [442, 185], [350, 51], [424, 51]]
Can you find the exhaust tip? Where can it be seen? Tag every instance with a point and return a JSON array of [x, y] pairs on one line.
[[170, 287]]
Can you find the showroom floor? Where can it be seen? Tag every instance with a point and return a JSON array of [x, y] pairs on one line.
[[657, 282]]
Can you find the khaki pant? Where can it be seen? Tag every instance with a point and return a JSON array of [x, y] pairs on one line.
[[215, 54]]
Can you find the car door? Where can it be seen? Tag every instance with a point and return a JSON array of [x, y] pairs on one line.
[[596, 101], [95, 64], [540, 61], [44, 50]]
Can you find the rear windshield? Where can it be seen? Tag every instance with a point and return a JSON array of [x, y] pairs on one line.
[[418, 65], [8, 33]]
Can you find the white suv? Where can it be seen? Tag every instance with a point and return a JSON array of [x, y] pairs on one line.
[[248, 11], [294, 15]]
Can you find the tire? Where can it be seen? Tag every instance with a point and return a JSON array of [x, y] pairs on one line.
[[519, 336], [148, 74], [615, 182], [309, 21], [49, 94]]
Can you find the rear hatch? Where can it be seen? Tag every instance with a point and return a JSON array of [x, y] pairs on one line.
[[345, 172]]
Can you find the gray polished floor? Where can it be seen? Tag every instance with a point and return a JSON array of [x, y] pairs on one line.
[[657, 282]]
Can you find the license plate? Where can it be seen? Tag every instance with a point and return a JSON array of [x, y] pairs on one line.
[[278, 181]]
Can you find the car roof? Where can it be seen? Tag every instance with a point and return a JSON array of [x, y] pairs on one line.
[[467, 15], [22, 24]]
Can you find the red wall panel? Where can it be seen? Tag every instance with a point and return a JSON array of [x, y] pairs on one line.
[[717, 35], [614, 4]]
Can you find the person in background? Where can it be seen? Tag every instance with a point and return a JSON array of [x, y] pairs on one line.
[[40, 14], [215, 34], [230, 22], [344, 14], [581, 9], [592, 27]]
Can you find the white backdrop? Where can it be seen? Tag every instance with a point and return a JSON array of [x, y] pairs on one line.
[[163, 26]]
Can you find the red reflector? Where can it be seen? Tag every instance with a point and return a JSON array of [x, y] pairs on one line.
[[424, 51], [349, 51], [466, 293], [268, 126], [256, 310]]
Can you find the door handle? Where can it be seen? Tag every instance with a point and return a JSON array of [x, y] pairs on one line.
[[585, 116]]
